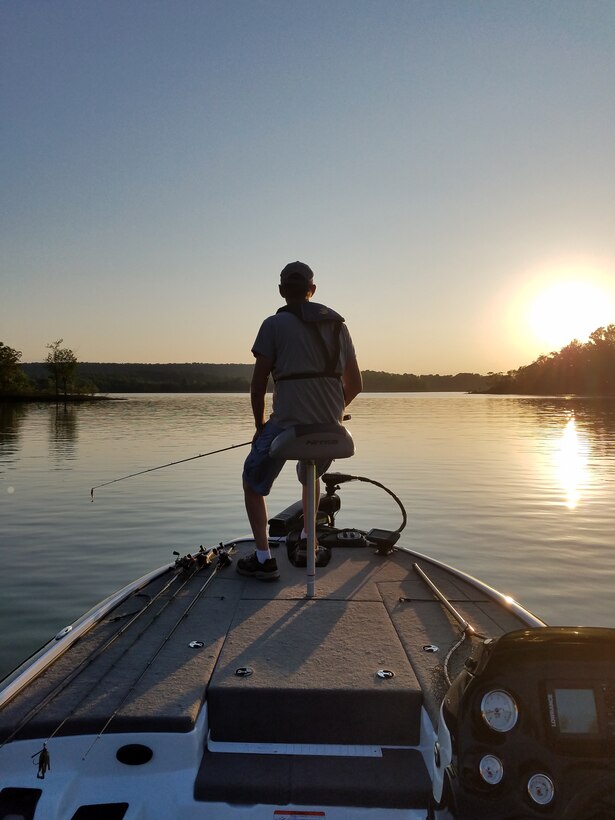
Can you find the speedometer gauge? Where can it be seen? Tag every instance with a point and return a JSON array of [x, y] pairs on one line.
[[499, 710]]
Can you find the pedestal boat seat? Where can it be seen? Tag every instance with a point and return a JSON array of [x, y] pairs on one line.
[[310, 443]]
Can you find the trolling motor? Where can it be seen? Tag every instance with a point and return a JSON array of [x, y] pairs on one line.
[[290, 520], [384, 540]]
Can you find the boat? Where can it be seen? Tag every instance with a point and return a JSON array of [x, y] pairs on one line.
[[382, 684]]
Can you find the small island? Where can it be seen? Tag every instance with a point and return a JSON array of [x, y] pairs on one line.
[[59, 380]]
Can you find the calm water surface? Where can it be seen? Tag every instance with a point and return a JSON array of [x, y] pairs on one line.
[[517, 491]]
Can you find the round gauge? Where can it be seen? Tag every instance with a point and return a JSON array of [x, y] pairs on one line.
[[541, 789], [499, 710], [491, 769]]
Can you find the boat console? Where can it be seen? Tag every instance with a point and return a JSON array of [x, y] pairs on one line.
[[527, 729]]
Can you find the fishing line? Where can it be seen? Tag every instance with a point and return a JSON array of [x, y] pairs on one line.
[[170, 464], [200, 561], [62, 685], [223, 561]]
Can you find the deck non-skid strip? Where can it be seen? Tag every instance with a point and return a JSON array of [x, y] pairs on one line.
[[299, 749]]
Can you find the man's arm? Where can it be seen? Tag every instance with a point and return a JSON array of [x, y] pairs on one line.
[[258, 387], [352, 381]]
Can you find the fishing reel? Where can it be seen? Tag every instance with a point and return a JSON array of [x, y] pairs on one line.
[[191, 563], [203, 558]]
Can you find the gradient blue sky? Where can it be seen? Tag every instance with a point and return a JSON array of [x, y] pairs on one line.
[[439, 164]]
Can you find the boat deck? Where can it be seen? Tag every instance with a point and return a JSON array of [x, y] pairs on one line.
[[369, 613], [279, 673]]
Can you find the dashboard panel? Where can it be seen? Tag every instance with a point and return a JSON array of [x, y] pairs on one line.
[[531, 727]]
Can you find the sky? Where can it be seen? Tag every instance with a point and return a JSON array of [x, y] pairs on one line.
[[446, 168]]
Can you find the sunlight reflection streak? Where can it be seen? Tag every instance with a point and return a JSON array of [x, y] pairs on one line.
[[571, 464]]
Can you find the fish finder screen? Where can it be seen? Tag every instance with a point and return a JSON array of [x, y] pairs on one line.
[[576, 711]]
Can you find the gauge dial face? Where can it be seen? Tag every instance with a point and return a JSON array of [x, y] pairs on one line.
[[499, 710], [541, 789], [491, 769]]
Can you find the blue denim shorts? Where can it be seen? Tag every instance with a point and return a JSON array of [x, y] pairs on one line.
[[260, 470]]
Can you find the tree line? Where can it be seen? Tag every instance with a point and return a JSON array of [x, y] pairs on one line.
[[235, 378], [62, 375], [579, 368]]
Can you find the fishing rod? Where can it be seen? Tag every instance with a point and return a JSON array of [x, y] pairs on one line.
[[223, 561], [170, 464], [181, 565]]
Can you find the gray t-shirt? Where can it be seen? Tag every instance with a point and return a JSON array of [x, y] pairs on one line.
[[293, 348]]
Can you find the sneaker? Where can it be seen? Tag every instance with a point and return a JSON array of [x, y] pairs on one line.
[[250, 565]]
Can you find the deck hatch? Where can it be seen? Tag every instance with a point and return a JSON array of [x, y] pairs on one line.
[[315, 676]]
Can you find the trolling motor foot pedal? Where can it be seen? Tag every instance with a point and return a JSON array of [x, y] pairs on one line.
[[384, 540]]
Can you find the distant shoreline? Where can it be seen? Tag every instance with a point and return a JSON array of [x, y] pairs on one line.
[[47, 398], [109, 377]]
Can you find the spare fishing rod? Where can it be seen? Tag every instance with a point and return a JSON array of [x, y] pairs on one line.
[[189, 563], [223, 561], [170, 464]]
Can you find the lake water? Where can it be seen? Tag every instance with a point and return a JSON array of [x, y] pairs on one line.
[[517, 491]]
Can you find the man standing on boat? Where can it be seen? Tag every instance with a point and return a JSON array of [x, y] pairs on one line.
[[307, 349]]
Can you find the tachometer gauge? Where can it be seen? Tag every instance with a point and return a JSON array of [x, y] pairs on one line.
[[499, 710], [541, 789], [491, 769]]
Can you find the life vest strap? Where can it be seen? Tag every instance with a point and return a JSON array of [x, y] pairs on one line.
[[331, 357]]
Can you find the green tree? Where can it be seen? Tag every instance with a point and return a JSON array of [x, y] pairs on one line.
[[578, 368], [11, 375], [62, 364]]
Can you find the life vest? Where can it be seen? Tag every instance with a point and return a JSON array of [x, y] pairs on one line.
[[312, 314]]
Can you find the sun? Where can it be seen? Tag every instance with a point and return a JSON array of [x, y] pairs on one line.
[[568, 309]]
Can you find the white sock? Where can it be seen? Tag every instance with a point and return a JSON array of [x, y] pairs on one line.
[[263, 555]]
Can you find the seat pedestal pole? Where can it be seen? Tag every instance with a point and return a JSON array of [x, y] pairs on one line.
[[310, 443], [310, 526]]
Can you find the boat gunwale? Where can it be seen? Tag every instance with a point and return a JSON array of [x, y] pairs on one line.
[[503, 600], [29, 669]]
